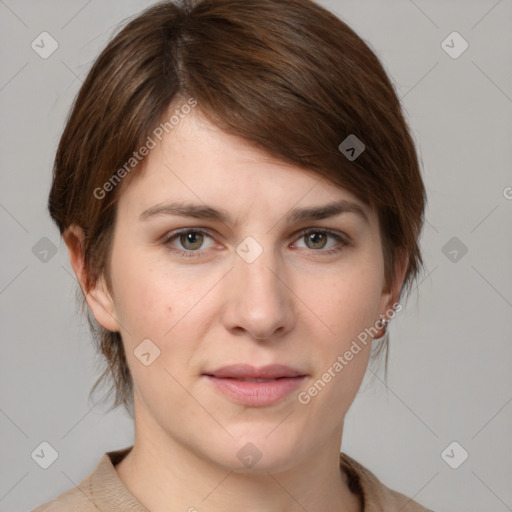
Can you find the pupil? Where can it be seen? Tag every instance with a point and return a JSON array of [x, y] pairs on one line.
[[192, 238], [315, 236]]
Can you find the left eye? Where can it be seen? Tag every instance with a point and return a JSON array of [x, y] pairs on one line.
[[318, 239]]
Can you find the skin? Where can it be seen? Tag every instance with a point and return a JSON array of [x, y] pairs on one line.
[[294, 305]]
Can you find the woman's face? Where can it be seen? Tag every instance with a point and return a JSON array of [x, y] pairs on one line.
[[241, 284]]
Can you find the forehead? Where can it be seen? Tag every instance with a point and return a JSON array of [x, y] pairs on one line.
[[196, 162]]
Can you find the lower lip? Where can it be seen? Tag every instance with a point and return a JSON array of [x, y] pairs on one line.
[[256, 394]]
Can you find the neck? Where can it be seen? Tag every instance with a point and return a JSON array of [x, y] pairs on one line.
[[165, 475]]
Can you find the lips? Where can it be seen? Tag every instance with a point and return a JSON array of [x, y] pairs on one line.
[[245, 372], [255, 387]]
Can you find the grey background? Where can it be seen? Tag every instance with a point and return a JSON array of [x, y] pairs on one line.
[[451, 349]]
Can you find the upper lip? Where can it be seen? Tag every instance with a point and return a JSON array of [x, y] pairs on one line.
[[245, 371]]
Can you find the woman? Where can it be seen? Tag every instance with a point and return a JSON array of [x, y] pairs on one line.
[[241, 200]]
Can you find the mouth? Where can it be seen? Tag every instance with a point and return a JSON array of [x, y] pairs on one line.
[[255, 387], [251, 380], [247, 372]]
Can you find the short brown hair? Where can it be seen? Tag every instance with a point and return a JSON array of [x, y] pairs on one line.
[[286, 75]]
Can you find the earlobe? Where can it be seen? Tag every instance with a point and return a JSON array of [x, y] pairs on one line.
[[102, 305], [97, 295]]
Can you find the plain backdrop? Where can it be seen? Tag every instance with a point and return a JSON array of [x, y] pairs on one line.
[[451, 347]]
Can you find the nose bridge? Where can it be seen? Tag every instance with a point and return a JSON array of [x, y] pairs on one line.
[[260, 302]]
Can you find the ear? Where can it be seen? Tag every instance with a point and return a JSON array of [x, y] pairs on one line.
[[401, 265], [97, 295], [391, 295]]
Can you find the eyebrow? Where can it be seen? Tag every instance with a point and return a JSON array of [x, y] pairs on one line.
[[202, 211]]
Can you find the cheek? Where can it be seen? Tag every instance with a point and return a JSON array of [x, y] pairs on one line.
[[155, 301], [144, 300], [350, 302], [143, 303], [151, 307]]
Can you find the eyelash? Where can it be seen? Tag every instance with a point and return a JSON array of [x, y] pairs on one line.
[[342, 242]]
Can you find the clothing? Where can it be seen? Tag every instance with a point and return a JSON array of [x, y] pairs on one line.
[[102, 490]]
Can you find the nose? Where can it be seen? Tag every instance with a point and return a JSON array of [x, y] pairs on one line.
[[258, 300]]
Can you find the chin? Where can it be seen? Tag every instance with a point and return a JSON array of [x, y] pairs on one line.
[[259, 450]]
